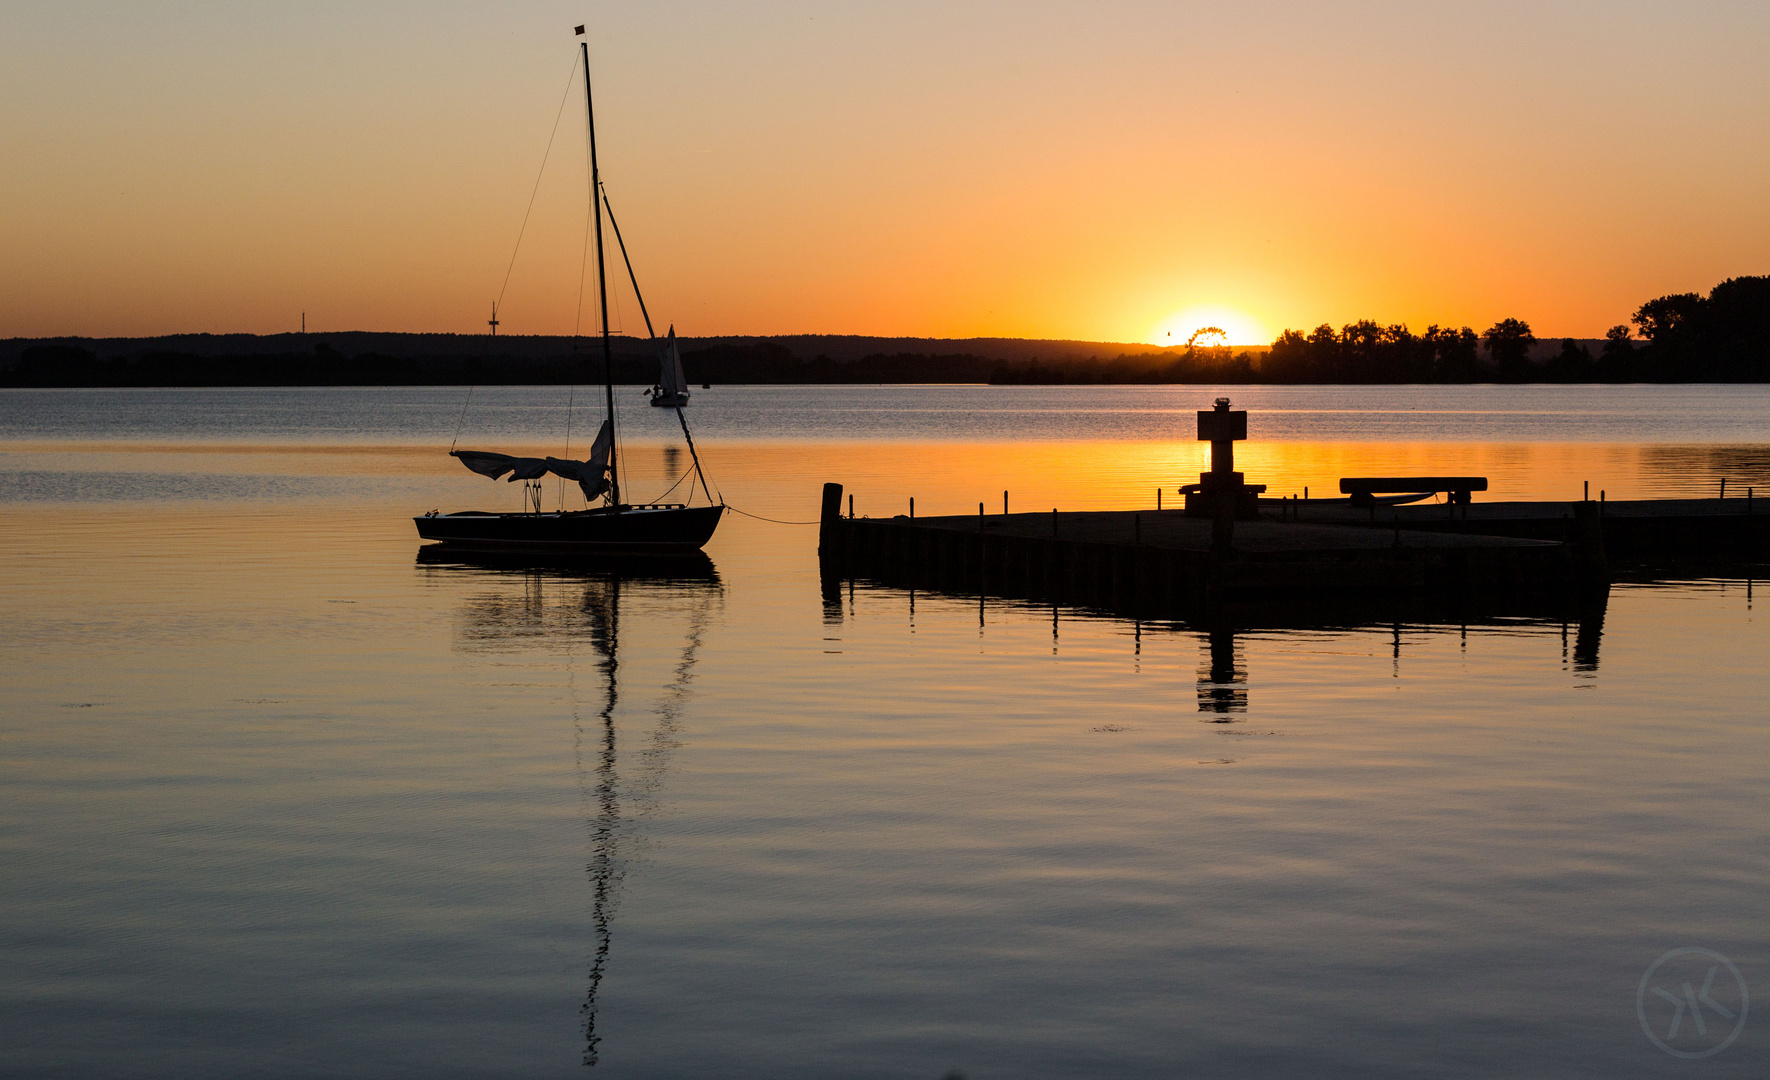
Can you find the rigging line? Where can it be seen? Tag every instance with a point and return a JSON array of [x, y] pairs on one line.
[[563, 98], [674, 486], [583, 270], [653, 334], [775, 521], [461, 419], [570, 401], [631, 276]]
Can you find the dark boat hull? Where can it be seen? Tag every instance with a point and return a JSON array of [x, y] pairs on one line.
[[634, 531]]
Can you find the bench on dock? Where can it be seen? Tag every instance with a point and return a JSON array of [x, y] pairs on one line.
[[1364, 489]]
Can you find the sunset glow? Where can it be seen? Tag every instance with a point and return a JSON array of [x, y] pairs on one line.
[[1178, 328], [903, 170]]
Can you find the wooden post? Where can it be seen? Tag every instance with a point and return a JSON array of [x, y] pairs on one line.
[[1223, 523], [851, 507], [979, 517], [829, 532], [1588, 543], [1004, 504], [1158, 498], [1053, 523], [1587, 497], [912, 508], [1723, 487]]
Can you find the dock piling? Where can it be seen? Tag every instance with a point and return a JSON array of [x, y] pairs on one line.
[[829, 533], [912, 508], [1723, 487], [1004, 504], [1588, 542], [851, 507], [1223, 524]]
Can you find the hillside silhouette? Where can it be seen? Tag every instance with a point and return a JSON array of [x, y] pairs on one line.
[[1685, 337]]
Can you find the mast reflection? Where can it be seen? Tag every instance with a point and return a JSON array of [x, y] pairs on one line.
[[565, 605]]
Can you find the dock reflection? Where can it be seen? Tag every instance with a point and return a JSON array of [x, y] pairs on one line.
[[567, 605], [1223, 677]]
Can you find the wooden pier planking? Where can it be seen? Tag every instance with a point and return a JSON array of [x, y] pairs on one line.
[[1646, 528]]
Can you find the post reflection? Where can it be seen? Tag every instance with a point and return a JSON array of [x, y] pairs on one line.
[[1222, 684], [1590, 632], [567, 607]]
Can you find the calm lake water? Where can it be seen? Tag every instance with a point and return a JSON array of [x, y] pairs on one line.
[[282, 799]]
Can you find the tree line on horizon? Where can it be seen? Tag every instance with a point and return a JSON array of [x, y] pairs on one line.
[[1684, 337]]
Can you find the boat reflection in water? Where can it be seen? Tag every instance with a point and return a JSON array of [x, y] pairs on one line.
[[566, 605]]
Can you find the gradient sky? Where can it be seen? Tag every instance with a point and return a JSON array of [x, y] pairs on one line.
[[1109, 171]]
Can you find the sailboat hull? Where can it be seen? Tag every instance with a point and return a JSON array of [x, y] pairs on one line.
[[632, 531], [669, 400]]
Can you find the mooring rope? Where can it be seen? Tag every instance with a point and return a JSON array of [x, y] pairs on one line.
[[776, 521]]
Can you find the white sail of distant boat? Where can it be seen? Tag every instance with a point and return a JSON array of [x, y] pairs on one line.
[[672, 388]]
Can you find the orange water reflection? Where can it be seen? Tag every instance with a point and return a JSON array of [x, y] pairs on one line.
[[954, 478]]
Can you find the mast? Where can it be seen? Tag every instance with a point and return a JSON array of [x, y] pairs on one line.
[[608, 349]]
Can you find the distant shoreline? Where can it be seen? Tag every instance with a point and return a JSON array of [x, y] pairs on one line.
[[369, 358]]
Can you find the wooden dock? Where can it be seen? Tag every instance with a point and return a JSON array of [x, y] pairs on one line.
[[1165, 562], [1643, 528], [1229, 545]]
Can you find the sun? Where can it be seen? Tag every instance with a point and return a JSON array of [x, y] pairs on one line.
[[1240, 328]]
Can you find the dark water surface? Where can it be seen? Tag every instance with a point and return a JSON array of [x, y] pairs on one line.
[[281, 799]]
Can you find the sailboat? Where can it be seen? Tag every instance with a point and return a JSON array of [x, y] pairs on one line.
[[672, 388], [611, 526]]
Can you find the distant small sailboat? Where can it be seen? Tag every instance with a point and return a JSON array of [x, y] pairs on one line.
[[614, 527], [672, 388]]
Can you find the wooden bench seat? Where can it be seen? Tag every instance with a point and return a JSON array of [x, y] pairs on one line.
[[1363, 488]]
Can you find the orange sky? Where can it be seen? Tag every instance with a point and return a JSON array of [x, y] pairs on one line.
[[1110, 171]]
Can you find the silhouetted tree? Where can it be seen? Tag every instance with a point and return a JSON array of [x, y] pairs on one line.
[[1723, 337], [1617, 362], [1454, 355], [1573, 363], [1659, 319], [1508, 343], [1288, 359]]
